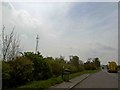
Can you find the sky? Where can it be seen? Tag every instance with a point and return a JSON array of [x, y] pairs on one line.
[[85, 29]]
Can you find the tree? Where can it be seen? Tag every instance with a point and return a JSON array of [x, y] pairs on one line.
[[96, 61], [74, 60], [60, 59], [92, 64], [10, 45]]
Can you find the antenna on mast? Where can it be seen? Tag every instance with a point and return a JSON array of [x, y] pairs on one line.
[[37, 38]]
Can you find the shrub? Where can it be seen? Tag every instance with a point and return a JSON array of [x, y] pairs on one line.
[[81, 67], [5, 74], [89, 66], [56, 68], [21, 70], [56, 65], [0, 65], [41, 68]]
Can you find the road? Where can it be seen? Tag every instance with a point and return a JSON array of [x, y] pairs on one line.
[[101, 79]]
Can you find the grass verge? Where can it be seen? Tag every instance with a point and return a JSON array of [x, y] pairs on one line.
[[53, 81]]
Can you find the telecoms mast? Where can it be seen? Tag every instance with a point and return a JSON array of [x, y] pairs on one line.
[[37, 38]]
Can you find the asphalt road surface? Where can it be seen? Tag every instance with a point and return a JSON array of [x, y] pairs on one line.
[[101, 79]]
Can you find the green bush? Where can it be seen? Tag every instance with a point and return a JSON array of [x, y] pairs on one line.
[[89, 66], [56, 65], [5, 74], [118, 67], [21, 70], [73, 69], [56, 68], [0, 65], [46, 71], [81, 67], [41, 68]]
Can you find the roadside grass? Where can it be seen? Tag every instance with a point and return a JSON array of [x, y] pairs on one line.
[[53, 81], [43, 83]]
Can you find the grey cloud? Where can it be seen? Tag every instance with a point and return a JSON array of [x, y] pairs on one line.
[[105, 47]]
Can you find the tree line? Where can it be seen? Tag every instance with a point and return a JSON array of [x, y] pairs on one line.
[[18, 69], [34, 67]]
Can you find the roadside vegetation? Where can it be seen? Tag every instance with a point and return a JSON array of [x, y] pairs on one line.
[[53, 81], [39, 72], [32, 70], [0, 65], [118, 67]]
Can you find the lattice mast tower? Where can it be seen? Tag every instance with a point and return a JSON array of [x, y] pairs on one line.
[[37, 42]]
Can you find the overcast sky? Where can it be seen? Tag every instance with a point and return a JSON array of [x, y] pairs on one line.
[[85, 29]]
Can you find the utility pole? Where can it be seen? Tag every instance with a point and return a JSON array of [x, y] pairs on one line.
[[37, 44]]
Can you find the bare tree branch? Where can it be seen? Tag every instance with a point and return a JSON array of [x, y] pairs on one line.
[[10, 45]]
